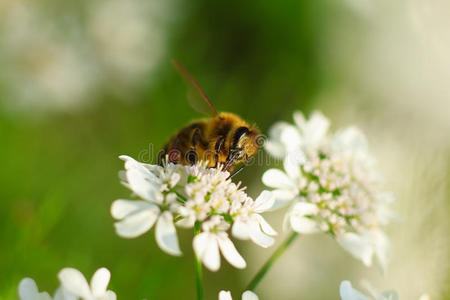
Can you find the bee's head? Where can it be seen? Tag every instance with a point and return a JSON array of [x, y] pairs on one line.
[[244, 144]]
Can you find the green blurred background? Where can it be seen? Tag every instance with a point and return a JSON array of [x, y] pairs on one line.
[[83, 82]]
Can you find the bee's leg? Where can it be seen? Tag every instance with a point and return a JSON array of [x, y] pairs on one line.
[[217, 149], [241, 168]]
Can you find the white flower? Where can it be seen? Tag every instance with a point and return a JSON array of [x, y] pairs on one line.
[[285, 138], [139, 40], [55, 68], [214, 237], [176, 195], [152, 184], [365, 244], [74, 282], [299, 220], [247, 295], [28, 290], [332, 186], [347, 292], [249, 224]]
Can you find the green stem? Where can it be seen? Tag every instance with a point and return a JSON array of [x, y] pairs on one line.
[[262, 272], [198, 268], [181, 196]]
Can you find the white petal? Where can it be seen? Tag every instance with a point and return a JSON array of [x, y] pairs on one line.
[[283, 198], [276, 149], [374, 293], [249, 295], [143, 187], [277, 179], [131, 163], [305, 209], [303, 225], [287, 222], [73, 281], [121, 207], [225, 295], [240, 230], [266, 228], [146, 170], [424, 297], [284, 195], [44, 296], [277, 128], [264, 202], [276, 133], [123, 175], [381, 247], [258, 237], [359, 246], [347, 292], [317, 128], [166, 235], [299, 120], [230, 253], [291, 138], [350, 140], [99, 282], [292, 163], [59, 295], [186, 222], [389, 295], [28, 289], [207, 249], [138, 223], [110, 295], [62, 294]]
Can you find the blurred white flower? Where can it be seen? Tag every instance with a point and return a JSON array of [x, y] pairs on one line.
[[73, 286], [192, 195], [139, 39], [76, 284], [28, 290], [52, 64], [347, 292], [43, 69], [286, 138], [331, 184], [247, 295]]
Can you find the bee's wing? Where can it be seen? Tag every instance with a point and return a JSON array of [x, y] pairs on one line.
[[196, 96]]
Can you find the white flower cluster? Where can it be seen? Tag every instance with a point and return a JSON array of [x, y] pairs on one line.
[[73, 286], [331, 183], [191, 196], [347, 292], [247, 295], [52, 65]]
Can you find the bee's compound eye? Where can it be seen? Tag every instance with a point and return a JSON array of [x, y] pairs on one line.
[[239, 136]]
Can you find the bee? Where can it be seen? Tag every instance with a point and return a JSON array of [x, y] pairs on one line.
[[221, 139]]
